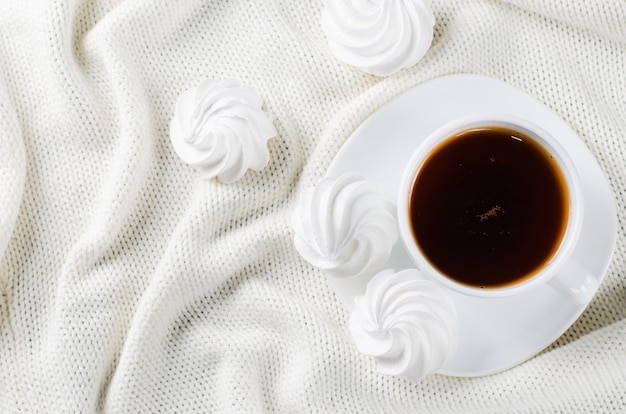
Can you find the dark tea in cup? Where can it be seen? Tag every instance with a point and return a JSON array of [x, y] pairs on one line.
[[489, 206]]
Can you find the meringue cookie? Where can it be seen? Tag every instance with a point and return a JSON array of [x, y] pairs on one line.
[[408, 324], [378, 36], [220, 129], [345, 226]]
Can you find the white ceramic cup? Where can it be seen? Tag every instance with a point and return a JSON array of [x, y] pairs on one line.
[[562, 271]]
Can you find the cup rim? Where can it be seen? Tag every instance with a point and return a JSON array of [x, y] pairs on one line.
[[568, 170]]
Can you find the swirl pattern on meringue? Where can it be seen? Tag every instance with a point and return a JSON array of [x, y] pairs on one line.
[[379, 37], [408, 324], [220, 129], [345, 226]]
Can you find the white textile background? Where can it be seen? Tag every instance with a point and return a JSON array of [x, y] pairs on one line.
[[128, 284]]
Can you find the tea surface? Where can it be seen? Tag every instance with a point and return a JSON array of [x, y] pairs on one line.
[[489, 207]]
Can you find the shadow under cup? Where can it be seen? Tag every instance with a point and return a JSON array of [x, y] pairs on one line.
[[489, 205]]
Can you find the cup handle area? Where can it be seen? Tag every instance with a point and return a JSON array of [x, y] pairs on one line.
[[575, 281]]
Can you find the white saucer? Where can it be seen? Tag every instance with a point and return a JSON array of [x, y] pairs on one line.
[[495, 334]]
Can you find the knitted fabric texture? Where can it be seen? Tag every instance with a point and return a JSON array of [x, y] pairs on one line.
[[130, 284]]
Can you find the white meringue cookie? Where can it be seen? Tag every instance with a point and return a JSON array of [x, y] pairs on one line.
[[408, 324], [220, 129], [378, 36], [345, 226]]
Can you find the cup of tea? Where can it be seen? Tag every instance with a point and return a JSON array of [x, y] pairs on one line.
[[491, 206]]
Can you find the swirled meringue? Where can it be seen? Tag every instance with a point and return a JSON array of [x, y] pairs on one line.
[[408, 324], [345, 226], [378, 36], [220, 129]]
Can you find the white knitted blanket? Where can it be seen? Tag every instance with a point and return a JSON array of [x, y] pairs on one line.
[[130, 284]]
